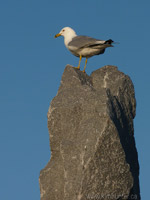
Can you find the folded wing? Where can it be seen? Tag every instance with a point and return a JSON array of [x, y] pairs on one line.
[[80, 42]]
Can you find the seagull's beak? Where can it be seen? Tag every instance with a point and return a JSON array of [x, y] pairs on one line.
[[57, 35]]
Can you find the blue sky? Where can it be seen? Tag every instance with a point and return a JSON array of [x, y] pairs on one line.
[[31, 66]]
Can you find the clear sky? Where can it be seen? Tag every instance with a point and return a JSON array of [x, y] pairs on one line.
[[31, 66]]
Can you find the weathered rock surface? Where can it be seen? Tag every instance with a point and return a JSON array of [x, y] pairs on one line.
[[93, 153]]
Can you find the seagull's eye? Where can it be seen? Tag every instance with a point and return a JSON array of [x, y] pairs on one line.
[[63, 30]]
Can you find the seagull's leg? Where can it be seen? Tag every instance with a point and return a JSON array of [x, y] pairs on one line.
[[85, 65], [79, 63]]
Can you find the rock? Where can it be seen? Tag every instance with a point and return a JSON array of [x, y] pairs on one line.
[[93, 153]]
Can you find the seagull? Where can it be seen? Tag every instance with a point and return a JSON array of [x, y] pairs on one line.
[[83, 46]]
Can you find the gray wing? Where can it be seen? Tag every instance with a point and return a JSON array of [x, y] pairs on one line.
[[85, 41]]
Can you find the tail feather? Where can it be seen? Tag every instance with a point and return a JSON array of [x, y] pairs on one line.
[[109, 41]]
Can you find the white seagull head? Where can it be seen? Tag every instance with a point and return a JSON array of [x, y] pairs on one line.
[[68, 34]]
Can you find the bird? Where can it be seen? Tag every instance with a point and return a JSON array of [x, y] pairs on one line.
[[83, 46]]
